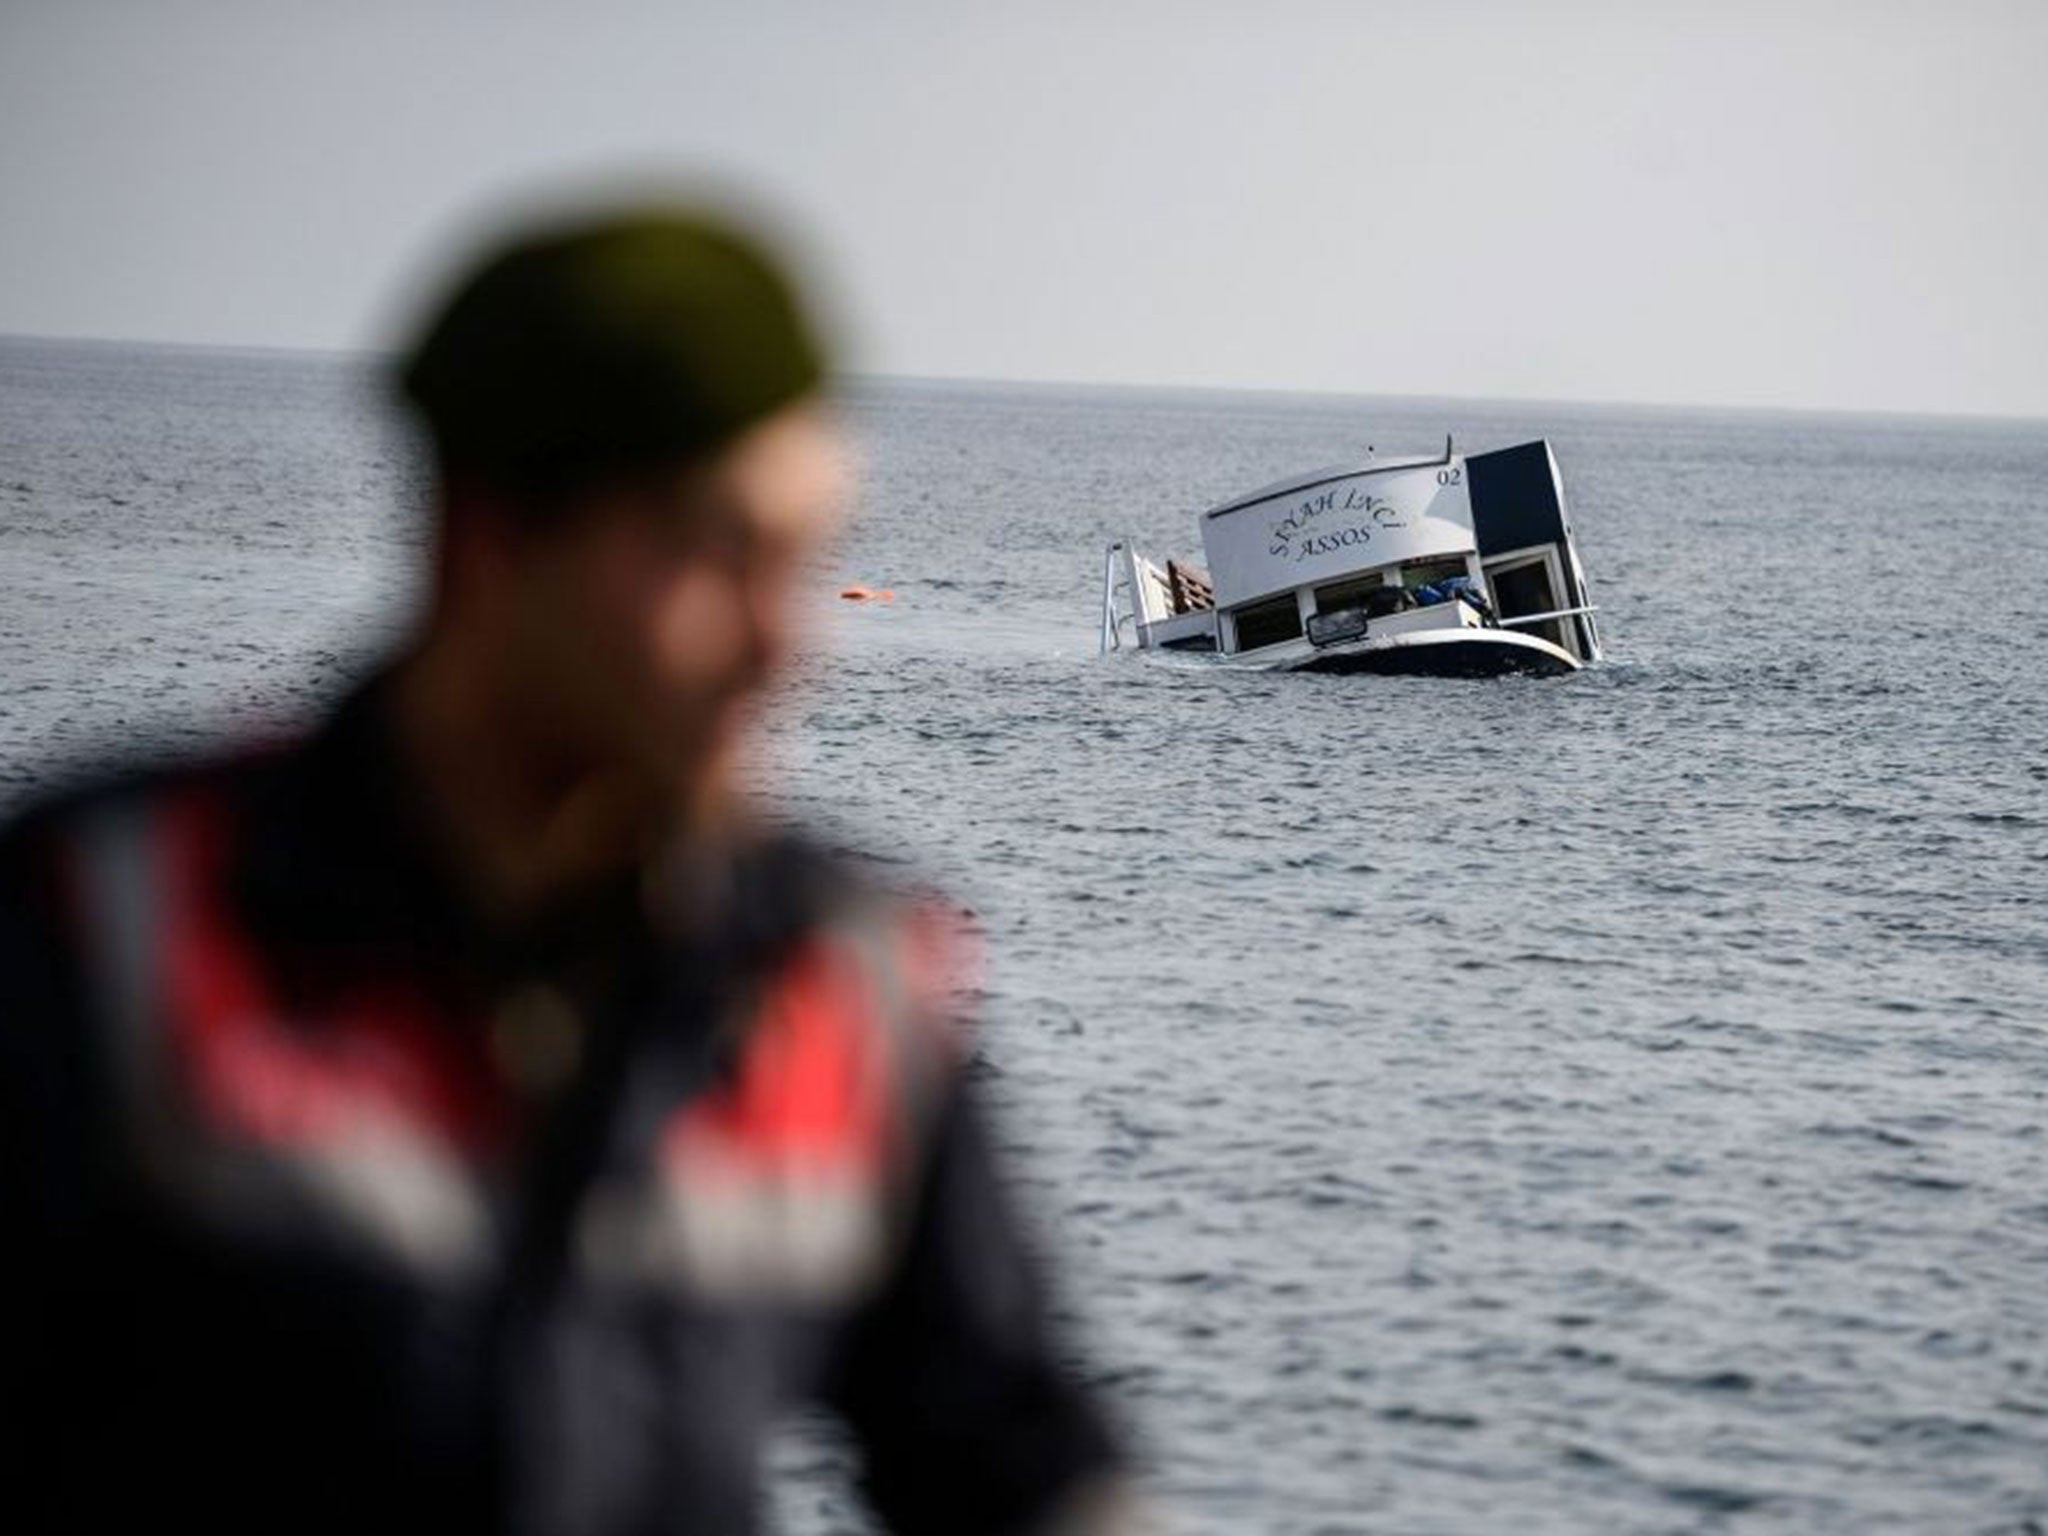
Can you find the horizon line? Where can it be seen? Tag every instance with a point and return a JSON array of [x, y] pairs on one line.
[[860, 376]]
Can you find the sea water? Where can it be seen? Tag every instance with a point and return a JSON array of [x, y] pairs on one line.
[[1603, 1104]]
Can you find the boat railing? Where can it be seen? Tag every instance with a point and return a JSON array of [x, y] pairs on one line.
[[1545, 618], [1112, 621]]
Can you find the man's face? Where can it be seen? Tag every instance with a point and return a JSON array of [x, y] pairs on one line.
[[659, 612]]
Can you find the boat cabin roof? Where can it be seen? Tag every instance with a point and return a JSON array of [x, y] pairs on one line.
[[1315, 478]]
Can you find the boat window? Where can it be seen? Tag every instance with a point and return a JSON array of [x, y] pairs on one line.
[[1426, 573], [1526, 587], [1268, 623], [1350, 593]]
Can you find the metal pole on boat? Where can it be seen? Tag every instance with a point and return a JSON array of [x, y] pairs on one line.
[[1111, 640], [1544, 618]]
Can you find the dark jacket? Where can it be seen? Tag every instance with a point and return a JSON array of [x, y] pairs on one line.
[[326, 1209]]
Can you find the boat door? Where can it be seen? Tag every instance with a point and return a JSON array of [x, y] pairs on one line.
[[1525, 547]]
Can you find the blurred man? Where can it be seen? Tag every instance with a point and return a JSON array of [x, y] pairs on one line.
[[461, 1120]]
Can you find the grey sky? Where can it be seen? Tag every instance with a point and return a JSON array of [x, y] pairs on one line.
[[1830, 204]]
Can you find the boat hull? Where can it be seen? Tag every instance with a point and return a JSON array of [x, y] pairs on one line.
[[1451, 653]]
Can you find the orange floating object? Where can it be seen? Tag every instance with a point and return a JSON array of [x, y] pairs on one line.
[[868, 595]]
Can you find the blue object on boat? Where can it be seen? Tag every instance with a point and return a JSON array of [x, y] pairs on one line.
[[1468, 589]]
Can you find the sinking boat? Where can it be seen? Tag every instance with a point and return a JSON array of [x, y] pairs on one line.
[[1459, 565]]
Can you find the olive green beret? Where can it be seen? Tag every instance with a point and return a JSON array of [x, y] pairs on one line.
[[610, 344]]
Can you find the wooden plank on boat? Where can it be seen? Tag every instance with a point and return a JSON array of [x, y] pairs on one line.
[[1191, 588]]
